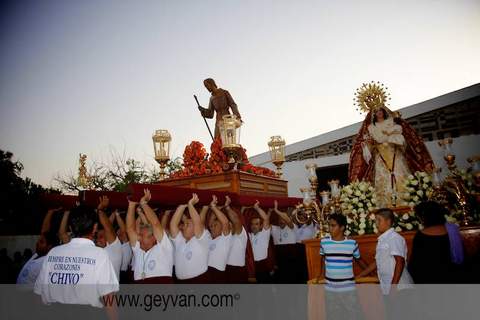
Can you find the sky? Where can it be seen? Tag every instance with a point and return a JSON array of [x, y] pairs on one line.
[[95, 76]]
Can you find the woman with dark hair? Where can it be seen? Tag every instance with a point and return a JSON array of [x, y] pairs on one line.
[[437, 248], [382, 115]]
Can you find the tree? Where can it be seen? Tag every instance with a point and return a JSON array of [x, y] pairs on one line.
[[116, 175], [20, 212]]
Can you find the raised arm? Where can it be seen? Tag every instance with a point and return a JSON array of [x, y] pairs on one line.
[[110, 235], [263, 214], [220, 216], [209, 112], [198, 226], [243, 208], [62, 230], [121, 226], [233, 216], [283, 215], [203, 214], [112, 217], [164, 220], [131, 225], [138, 222], [177, 216], [141, 215], [151, 216], [47, 220]]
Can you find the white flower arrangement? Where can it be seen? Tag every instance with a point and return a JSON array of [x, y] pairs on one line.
[[418, 188], [357, 201], [407, 221]]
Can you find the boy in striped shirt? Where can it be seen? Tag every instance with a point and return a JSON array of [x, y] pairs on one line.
[[338, 253]]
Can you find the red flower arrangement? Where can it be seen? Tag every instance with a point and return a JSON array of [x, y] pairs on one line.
[[196, 161], [194, 158], [261, 171], [217, 156]]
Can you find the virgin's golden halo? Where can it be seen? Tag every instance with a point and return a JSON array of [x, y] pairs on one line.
[[371, 96]]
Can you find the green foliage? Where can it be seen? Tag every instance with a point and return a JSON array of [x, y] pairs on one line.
[[116, 175], [174, 165], [20, 198]]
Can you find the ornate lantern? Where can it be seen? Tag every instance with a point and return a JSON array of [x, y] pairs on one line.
[[161, 146], [307, 197], [475, 168], [230, 131], [436, 178], [334, 189], [335, 193], [453, 182], [312, 175], [449, 156], [230, 134], [310, 211], [277, 153], [325, 197]]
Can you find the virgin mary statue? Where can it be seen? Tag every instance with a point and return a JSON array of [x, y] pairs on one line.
[[387, 149]]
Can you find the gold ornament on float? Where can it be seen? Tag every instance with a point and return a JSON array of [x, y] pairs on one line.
[[84, 180], [371, 97]]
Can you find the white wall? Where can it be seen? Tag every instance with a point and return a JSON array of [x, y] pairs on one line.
[[463, 147], [294, 172]]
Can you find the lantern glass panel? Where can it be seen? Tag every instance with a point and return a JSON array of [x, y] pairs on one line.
[[230, 131], [161, 144], [276, 146]]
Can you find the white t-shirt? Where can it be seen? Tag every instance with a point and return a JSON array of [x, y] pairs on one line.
[[126, 256], [191, 258], [283, 236], [76, 273], [114, 251], [391, 244], [156, 262], [305, 232], [218, 250], [238, 248], [260, 244], [31, 269]]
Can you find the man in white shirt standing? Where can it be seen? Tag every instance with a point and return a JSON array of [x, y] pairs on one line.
[[285, 238], [126, 248], [107, 238], [219, 245], [191, 244], [236, 270], [152, 250], [47, 240], [260, 239], [78, 272]]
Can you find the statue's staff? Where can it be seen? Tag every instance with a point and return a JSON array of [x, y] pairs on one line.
[[206, 123]]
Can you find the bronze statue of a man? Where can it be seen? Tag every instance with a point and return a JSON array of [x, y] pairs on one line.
[[220, 102]]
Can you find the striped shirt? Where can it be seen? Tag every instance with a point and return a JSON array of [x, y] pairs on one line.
[[339, 263]]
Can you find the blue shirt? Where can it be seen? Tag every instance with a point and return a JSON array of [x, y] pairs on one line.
[[339, 263]]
